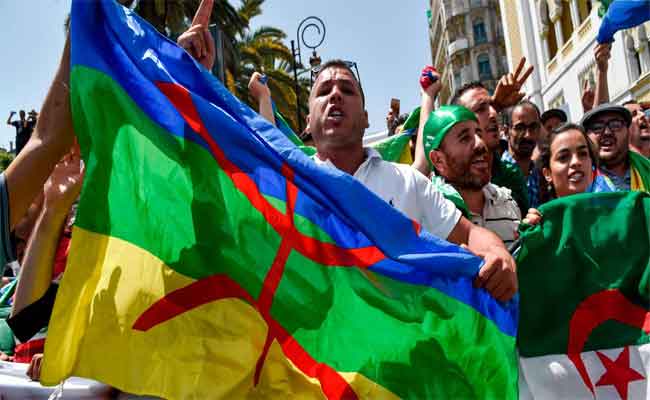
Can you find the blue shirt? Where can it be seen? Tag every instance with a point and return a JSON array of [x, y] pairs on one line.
[[621, 183], [532, 181]]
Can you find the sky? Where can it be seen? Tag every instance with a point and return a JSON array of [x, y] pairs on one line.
[[387, 40]]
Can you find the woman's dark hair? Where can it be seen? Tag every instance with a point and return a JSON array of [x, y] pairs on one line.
[[545, 151], [545, 148]]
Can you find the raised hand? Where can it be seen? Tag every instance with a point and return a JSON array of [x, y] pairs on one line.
[[588, 97], [197, 40], [430, 81], [602, 53], [258, 88], [64, 184], [507, 92]]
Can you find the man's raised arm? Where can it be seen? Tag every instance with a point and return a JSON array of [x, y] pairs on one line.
[[11, 114], [52, 138]]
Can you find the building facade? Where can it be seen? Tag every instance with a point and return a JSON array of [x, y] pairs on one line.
[[467, 43], [558, 38]]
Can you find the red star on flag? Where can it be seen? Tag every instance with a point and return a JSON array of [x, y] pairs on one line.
[[618, 373]]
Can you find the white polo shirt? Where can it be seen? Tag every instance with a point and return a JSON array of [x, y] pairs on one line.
[[407, 190]]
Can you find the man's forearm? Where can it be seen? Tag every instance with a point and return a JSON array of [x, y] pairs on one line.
[[421, 162], [266, 110], [602, 88], [481, 240], [37, 266], [51, 139]]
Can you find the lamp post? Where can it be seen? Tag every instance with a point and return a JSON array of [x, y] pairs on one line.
[[314, 60]]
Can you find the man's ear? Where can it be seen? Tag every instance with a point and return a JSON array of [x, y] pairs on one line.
[[308, 120], [547, 174], [438, 161], [366, 124]]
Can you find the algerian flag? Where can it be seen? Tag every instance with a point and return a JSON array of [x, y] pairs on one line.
[[584, 277]]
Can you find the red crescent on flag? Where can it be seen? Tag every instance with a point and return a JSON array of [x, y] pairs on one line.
[[594, 311]]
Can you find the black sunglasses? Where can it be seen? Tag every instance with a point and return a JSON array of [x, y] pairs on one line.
[[614, 125]]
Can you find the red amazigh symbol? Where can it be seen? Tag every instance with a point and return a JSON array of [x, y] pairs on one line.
[[618, 373], [219, 287], [592, 312]]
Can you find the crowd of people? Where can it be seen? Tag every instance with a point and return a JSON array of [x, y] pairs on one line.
[[483, 165]]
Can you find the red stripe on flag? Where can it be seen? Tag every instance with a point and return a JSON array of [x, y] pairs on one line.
[[207, 290], [323, 253]]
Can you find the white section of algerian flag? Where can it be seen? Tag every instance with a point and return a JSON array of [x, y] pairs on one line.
[[556, 377]]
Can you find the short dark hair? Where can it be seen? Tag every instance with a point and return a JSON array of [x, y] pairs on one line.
[[525, 103], [338, 63], [466, 87], [630, 102]]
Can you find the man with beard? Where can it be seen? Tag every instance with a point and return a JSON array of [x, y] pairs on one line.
[[459, 156], [608, 125], [476, 98], [639, 129], [525, 128]]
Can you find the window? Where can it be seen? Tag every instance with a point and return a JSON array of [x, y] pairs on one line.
[[479, 32], [457, 79], [484, 70], [557, 102]]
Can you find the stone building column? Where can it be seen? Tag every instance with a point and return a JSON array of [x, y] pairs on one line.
[[575, 14], [642, 47], [555, 14]]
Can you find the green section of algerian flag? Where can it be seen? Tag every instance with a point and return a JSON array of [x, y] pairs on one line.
[[401, 336], [586, 244], [395, 148]]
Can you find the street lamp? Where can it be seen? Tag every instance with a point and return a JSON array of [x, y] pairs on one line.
[[314, 60]]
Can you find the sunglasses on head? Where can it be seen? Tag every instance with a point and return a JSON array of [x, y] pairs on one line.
[[350, 64]]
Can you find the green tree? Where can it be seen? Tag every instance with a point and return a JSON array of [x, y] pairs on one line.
[[5, 159], [261, 50]]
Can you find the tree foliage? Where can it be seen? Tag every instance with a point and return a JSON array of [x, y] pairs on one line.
[[262, 49]]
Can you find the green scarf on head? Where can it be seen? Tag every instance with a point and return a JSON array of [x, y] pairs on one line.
[[440, 122]]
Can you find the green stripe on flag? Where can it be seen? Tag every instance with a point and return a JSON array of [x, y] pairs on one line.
[[408, 331]]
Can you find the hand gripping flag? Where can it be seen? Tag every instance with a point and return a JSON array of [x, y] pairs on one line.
[[584, 276], [211, 258]]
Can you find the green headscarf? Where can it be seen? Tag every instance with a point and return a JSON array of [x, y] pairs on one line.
[[440, 122]]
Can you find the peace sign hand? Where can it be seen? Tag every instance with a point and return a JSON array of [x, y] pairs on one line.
[[507, 92], [197, 40]]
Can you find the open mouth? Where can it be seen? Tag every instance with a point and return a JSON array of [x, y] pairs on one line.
[[335, 114], [576, 177], [607, 142], [480, 162]]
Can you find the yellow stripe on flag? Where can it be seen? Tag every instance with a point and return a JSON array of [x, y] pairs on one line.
[[636, 181], [208, 352]]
